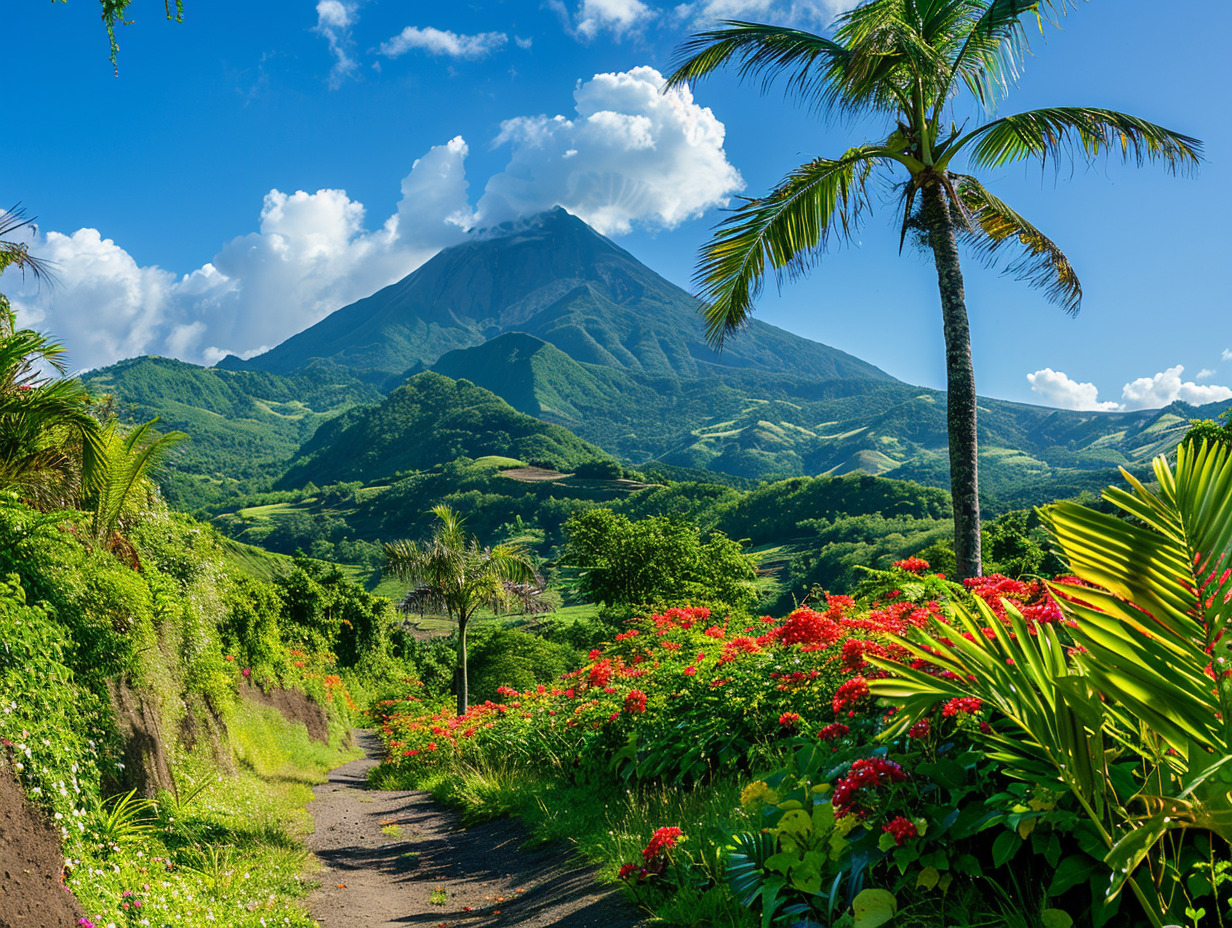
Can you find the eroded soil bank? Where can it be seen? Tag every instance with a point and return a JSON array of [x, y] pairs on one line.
[[397, 858]]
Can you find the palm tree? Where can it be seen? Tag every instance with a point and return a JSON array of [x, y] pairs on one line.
[[123, 466], [48, 439], [454, 573], [906, 61]]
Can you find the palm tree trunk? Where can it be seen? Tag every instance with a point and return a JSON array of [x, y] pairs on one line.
[[463, 693], [960, 383]]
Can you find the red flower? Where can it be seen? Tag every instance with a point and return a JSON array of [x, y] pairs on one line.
[[663, 840], [966, 705], [849, 693], [920, 729], [789, 719], [913, 565], [804, 626], [833, 732], [690, 671], [635, 702], [902, 829]]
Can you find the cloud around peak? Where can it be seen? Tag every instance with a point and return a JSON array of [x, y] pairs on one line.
[[629, 153]]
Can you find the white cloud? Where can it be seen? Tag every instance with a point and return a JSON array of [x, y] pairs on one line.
[[1227, 354], [440, 42], [592, 17], [1167, 387], [1205, 374], [334, 21], [630, 153], [1155, 392], [803, 13], [1057, 389], [311, 255]]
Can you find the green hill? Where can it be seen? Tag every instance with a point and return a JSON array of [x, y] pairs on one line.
[[431, 420], [243, 426]]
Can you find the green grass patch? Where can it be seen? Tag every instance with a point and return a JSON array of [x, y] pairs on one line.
[[229, 852]]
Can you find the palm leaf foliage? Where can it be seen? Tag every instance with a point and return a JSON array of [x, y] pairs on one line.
[[909, 64], [118, 477], [49, 442], [1135, 718], [452, 572]]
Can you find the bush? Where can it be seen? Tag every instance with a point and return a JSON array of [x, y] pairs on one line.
[[516, 659]]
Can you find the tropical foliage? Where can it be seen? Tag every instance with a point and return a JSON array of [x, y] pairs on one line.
[[452, 572], [1128, 708], [906, 62]]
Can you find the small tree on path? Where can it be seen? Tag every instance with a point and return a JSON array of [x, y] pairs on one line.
[[454, 573]]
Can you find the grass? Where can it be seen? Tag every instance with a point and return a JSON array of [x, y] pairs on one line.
[[230, 855], [605, 826], [392, 831]]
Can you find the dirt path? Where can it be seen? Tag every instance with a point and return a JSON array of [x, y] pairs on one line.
[[400, 859]]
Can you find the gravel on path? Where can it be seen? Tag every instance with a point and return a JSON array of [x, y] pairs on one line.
[[398, 858]]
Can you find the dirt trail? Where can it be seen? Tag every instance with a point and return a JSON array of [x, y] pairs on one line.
[[397, 858]]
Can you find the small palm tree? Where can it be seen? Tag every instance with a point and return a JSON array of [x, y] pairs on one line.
[[454, 573], [127, 459], [906, 61], [48, 439]]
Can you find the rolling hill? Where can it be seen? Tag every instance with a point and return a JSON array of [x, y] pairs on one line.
[[429, 421]]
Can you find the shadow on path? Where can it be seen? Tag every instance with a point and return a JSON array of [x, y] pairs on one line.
[[389, 854]]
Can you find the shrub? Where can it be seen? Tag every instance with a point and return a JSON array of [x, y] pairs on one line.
[[517, 659]]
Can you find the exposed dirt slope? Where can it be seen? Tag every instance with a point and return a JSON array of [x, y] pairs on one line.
[[31, 894], [381, 879]]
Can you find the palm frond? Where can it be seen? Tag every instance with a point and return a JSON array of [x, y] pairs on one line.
[[17, 254], [996, 41], [781, 230], [993, 225], [1079, 133], [807, 63]]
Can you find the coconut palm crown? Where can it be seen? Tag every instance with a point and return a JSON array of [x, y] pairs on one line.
[[909, 62], [454, 573]]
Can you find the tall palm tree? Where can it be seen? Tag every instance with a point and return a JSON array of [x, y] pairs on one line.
[[907, 62], [454, 573]]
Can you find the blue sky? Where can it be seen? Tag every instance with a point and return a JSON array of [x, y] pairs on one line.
[[250, 170]]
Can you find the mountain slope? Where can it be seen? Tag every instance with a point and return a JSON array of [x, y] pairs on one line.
[[243, 426], [557, 279], [431, 420]]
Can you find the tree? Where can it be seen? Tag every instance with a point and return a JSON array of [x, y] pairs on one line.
[[454, 573], [113, 15], [48, 439], [125, 461], [1208, 430], [905, 61], [656, 561]]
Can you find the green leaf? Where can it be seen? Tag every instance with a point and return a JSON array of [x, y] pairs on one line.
[[1055, 918], [874, 907], [928, 878], [1005, 847], [1072, 870]]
